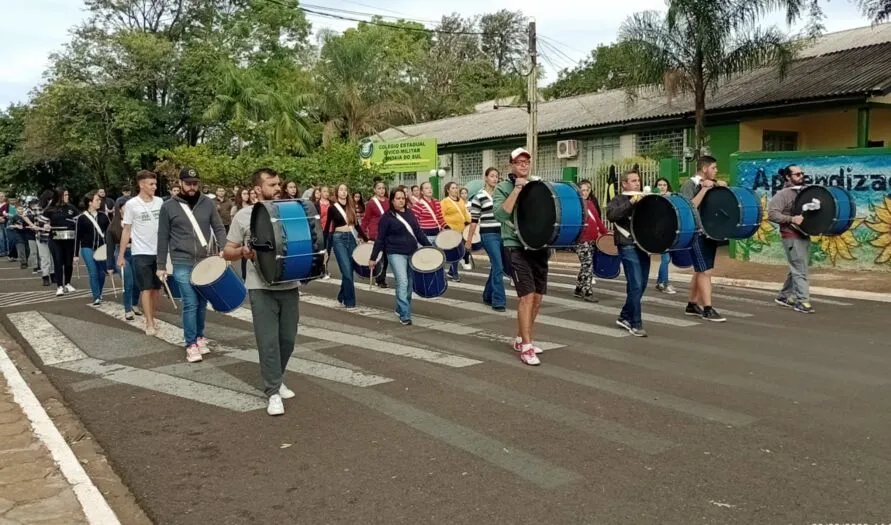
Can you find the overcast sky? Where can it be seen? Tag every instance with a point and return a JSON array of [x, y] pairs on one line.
[[32, 29]]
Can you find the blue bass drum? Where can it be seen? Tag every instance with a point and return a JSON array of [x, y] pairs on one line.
[[836, 214], [730, 213], [287, 240], [607, 263], [663, 223], [549, 215], [217, 282], [682, 258], [428, 276]]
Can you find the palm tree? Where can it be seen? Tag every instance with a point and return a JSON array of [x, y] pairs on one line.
[[699, 43], [354, 98]]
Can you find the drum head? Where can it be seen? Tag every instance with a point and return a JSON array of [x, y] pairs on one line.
[[267, 240], [101, 254], [536, 214], [427, 260], [607, 244], [448, 239], [362, 254], [817, 222], [654, 224], [208, 271], [719, 213]]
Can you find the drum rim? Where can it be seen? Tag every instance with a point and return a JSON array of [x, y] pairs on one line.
[[226, 266], [611, 234], [558, 209]]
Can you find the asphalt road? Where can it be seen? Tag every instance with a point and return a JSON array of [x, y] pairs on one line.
[[771, 417]]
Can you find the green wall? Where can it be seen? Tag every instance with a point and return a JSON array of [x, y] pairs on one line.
[[723, 142]]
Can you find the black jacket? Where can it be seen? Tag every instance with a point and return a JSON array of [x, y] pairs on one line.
[[618, 212]]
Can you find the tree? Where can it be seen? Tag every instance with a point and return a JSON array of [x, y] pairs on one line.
[[878, 11], [605, 68], [700, 43], [504, 40]]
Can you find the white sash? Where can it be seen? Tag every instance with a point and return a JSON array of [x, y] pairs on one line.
[[95, 224], [592, 216], [346, 220], [623, 231], [407, 226], [430, 211], [379, 206], [191, 216]]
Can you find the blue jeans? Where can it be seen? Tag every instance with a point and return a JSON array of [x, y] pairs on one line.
[[343, 244], [130, 295], [194, 304], [3, 248], [402, 272], [663, 269], [493, 293], [96, 271], [636, 264]]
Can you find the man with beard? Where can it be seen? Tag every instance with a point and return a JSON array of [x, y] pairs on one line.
[[189, 230], [107, 203], [274, 307]]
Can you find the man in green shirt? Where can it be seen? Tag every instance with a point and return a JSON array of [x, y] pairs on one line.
[[529, 267]]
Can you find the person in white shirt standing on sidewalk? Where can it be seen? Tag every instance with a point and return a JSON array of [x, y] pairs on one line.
[[141, 215], [190, 229]]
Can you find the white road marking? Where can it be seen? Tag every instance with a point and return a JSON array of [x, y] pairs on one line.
[[467, 306], [173, 335], [420, 321], [48, 342], [371, 343], [95, 507]]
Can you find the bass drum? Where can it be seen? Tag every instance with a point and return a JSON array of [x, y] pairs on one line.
[[730, 213], [662, 223], [836, 214], [549, 215], [287, 240]]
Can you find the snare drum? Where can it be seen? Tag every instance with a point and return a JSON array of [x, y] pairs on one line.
[[287, 241], [361, 256], [549, 215], [477, 243], [660, 223], [730, 213], [64, 235], [217, 282], [428, 276], [451, 243], [100, 254], [607, 264]]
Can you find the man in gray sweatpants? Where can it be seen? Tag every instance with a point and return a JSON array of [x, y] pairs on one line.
[[795, 293], [274, 308]]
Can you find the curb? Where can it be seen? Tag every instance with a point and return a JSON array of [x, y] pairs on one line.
[[756, 285]]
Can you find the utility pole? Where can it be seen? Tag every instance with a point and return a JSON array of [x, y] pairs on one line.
[[532, 104]]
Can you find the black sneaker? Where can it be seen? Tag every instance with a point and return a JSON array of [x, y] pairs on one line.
[[590, 299], [578, 293], [638, 332], [46, 281], [803, 307], [382, 285], [693, 309], [784, 301], [406, 322], [710, 314], [499, 308], [622, 323]]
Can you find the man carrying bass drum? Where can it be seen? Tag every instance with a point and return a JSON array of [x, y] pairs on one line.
[[795, 293], [635, 262]]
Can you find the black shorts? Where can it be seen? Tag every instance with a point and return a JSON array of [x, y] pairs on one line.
[[704, 252], [145, 272], [530, 270]]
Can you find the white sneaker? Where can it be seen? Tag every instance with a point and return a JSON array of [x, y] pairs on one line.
[[275, 406], [466, 266], [202, 346], [527, 355], [193, 354], [69, 289], [518, 346], [60, 291], [285, 392]]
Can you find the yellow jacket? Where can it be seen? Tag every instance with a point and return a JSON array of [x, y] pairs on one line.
[[455, 213]]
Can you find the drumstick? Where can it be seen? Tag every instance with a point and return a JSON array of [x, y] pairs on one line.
[[170, 294], [113, 287]]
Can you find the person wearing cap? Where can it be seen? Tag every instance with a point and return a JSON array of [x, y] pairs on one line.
[[189, 230], [529, 267]]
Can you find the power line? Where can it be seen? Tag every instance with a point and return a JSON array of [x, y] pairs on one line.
[[360, 13], [400, 14], [548, 43]]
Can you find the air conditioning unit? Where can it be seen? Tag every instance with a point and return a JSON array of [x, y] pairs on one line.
[[567, 149]]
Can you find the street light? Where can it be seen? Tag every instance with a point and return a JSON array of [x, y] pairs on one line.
[[438, 173]]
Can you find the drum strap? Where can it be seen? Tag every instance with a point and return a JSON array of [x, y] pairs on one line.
[[346, 220], [380, 208], [201, 238], [623, 231], [430, 211], [407, 227], [95, 224]]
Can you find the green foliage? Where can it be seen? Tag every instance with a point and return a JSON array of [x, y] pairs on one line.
[[605, 68]]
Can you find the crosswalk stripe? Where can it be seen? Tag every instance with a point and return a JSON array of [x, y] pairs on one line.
[[468, 306], [173, 335], [48, 342], [420, 321], [329, 331]]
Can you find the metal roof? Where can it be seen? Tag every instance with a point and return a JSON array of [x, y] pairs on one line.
[[836, 65]]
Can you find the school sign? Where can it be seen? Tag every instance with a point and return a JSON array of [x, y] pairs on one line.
[[866, 173], [399, 156]]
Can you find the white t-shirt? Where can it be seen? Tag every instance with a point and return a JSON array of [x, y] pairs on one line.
[[143, 220]]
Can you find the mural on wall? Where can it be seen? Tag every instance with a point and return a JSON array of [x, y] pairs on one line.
[[866, 246]]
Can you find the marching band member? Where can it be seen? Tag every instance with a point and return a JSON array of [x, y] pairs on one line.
[[704, 249], [594, 228], [455, 215], [91, 227], [795, 292], [274, 308], [635, 262], [398, 236], [529, 267], [189, 229], [343, 230], [662, 283], [62, 217], [428, 212], [377, 206], [130, 293], [482, 216]]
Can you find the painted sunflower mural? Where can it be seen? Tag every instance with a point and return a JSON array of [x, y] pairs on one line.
[[838, 246], [763, 233], [882, 227]]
